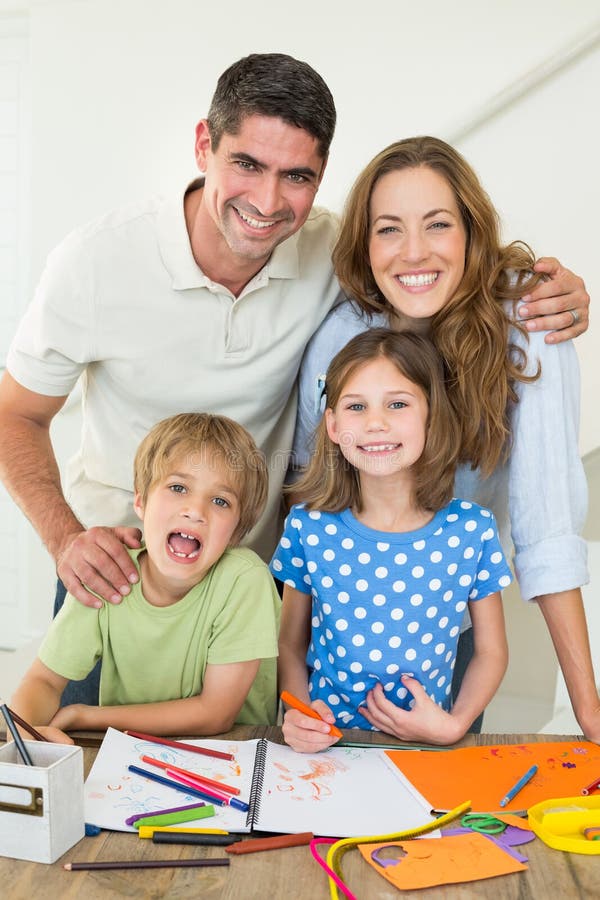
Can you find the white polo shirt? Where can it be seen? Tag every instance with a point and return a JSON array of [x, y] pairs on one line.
[[123, 304]]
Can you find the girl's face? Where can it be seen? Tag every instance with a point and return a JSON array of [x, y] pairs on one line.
[[380, 419], [417, 241]]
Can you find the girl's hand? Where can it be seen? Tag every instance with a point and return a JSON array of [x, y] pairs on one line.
[[308, 735], [426, 721]]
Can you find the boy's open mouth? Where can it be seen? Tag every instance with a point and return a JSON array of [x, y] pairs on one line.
[[184, 545]]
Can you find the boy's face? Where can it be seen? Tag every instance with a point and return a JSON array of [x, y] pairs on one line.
[[189, 517]]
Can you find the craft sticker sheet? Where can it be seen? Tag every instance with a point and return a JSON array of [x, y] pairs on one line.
[[423, 863], [483, 775]]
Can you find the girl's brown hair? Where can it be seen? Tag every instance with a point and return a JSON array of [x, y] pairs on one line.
[[331, 483], [472, 330]]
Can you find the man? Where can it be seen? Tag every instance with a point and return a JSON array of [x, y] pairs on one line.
[[205, 304]]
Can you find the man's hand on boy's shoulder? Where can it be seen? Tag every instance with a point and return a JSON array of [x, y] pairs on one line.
[[96, 560], [558, 305]]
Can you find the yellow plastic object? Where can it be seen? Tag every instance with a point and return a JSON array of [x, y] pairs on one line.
[[338, 850], [560, 823]]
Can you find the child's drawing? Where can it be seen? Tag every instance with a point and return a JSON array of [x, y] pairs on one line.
[[312, 784]]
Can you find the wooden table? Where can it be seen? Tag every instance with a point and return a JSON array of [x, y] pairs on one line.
[[290, 873]]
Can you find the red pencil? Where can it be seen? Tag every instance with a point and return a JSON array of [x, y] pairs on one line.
[[180, 745], [227, 788], [308, 711]]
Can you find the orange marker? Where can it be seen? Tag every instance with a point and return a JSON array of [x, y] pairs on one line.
[[308, 711]]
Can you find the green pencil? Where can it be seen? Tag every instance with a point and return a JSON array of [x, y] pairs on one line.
[[382, 746]]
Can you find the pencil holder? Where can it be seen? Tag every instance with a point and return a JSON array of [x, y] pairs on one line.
[[41, 806]]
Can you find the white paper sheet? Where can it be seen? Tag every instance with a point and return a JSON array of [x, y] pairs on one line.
[[341, 792]]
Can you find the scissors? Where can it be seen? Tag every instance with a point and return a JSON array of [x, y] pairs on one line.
[[484, 823]]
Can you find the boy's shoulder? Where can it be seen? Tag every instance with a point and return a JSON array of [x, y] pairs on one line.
[[237, 560]]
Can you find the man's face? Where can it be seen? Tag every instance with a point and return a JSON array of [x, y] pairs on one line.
[[260, 184]]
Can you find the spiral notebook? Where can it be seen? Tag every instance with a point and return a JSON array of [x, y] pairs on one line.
[[341, 792]]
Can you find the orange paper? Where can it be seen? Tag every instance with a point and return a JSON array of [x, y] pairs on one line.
[[484, 775], [446, 860]]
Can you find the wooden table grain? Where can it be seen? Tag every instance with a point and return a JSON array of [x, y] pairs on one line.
[[290, 873]]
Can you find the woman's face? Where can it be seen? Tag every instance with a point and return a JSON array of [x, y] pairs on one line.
[[417, 241]]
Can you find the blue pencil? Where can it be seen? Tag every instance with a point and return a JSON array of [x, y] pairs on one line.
[[519, 785], [16, 736], [178, 787]]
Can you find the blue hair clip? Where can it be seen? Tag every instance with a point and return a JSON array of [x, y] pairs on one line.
[[320, 392]]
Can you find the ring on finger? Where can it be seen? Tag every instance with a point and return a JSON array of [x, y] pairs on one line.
[[574, 316]]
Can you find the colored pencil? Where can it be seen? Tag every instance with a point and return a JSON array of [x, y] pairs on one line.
[[146, 864], [210, 782], [518, 786], [256, 845], [178, 818], [27, 727], [215, 796], [594, 786], [131, 820], [308, 711], [205, 840], [176, 785], [146, 831], [206, 751], [22, 749], [375, 745]]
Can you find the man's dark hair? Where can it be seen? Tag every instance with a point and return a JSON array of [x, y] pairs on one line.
[[272, 84]]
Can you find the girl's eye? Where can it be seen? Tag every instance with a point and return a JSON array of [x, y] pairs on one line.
[[220, 501], [397, 404], [177, 488], [356, 407]]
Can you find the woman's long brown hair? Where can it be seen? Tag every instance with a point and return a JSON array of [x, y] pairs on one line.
[[471, 332]]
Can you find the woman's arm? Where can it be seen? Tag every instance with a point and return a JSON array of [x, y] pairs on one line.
[[427, 721], [565, 617], [301, 732], [548, 506], [213, 711]]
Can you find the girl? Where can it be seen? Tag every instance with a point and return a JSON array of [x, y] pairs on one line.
[[378, 562], [419, 249]]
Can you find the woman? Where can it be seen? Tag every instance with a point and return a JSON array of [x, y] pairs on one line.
[[419, 249]]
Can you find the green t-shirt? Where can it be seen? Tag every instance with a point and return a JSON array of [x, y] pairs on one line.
[[151, 653]]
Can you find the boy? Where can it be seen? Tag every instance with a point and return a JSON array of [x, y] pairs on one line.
[[192, 649]]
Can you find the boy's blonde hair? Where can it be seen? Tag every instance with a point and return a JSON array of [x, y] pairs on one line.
[[191, 435]]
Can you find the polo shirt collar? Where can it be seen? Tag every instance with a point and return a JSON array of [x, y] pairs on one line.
[[176, 252]]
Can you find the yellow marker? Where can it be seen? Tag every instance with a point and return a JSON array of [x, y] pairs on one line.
[[146, 831]]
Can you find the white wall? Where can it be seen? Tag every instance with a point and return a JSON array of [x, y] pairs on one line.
[[118, 85]]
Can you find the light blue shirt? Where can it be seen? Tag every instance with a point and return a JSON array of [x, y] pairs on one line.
[[539, 495]]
